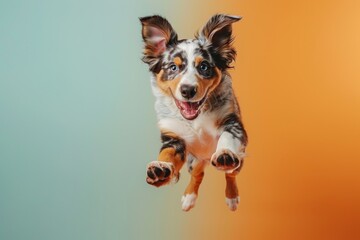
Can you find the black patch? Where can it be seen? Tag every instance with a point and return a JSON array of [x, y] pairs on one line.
[[221, 62], [205, 54], [155, 63], [190, 161], [176, 143], [232, 124]]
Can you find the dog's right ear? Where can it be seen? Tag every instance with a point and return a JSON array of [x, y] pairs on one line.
[[157, 34]]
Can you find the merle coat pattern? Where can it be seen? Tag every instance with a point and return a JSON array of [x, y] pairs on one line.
[[198, 114]]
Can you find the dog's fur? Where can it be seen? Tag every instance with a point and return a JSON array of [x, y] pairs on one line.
[[198, 114]]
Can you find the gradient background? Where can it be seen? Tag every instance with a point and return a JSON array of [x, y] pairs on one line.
[[77, 125]]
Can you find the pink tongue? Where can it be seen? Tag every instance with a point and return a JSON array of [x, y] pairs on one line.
[[189, 109]]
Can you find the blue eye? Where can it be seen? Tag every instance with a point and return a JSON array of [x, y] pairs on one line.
[[204, 66], [173, 67], [205, 69]]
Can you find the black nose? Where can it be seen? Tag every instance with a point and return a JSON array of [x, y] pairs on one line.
[[188, 91]]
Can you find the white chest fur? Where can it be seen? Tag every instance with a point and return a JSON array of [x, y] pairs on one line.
[[200, 135]]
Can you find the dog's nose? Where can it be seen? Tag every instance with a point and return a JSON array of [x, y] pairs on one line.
[[188, 91]]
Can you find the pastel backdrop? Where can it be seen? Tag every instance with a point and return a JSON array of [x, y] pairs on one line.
[[77, 125]]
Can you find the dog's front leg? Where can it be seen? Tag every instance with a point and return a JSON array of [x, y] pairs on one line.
[[229, 155], [230, 149], [170, 160]]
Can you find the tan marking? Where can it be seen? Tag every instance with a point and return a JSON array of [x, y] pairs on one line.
[[197, 176], [198, 60], [169, 155], [231, 190], [177, 61], [206, 86], [166, 85]]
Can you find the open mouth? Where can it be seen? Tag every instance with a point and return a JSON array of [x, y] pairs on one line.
[[189, 110]]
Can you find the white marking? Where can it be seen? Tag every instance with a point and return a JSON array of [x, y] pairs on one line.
[[190, 75], [188, 201], [206, 122], [227, 141], [179, 127], [232, 203], [193, 133]]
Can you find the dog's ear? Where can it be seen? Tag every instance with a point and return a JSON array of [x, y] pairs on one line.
[[157, 34], [216, 36]]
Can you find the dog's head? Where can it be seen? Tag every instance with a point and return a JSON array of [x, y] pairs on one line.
[[188, 70]]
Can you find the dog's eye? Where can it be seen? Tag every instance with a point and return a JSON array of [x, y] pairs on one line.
[[173, 67], [205, 69], [204, 66]]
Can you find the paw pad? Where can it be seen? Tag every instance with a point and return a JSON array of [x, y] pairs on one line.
[[226, 161], [159, 173]]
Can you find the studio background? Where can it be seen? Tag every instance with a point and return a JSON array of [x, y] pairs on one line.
[[78, 126]]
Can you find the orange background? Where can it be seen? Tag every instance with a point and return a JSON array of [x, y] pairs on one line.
[[297, 77], [78, 126]]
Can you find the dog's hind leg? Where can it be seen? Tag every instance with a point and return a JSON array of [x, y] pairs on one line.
[[196, 169], [231, 192], [170, 160]]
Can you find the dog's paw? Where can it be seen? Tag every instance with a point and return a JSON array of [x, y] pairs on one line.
[[226, 160], [188, 201], [159, 173], [232, 203]]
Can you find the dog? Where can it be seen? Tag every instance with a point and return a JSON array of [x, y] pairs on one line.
[[198, 114]]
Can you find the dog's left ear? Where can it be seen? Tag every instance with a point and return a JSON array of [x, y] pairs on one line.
[[216, 36], [157, 34]]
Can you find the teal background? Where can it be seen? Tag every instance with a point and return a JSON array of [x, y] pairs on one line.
[[77, 125]]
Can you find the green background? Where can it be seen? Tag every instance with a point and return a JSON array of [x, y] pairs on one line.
[[77, 123]]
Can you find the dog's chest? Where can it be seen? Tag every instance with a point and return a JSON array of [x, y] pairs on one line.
[[202, 144], [200, 135]]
